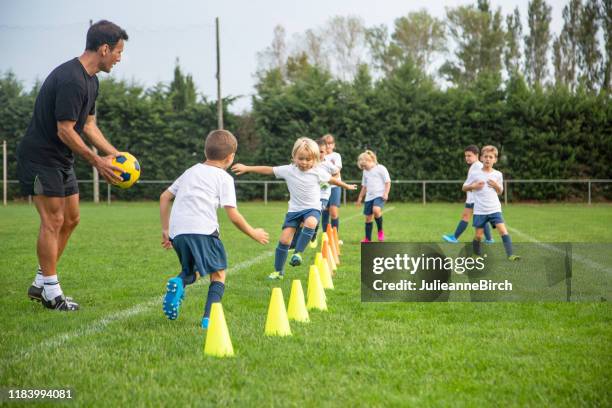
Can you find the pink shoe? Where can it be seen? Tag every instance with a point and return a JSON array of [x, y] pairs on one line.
[[381, 236], [365, 240]]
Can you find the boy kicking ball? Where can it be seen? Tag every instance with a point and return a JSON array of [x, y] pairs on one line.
[[487, 184]]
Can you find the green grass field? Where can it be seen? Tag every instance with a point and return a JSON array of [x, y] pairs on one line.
[[120, 350]]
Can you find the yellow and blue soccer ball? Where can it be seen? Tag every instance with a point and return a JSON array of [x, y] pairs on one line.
[[130, 169]]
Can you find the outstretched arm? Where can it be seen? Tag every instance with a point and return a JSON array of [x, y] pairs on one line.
[[165, 203], [258, 234], [241, 169], [342, 184]]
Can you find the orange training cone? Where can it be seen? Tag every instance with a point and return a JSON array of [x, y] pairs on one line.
[[337, 240], [327, 254]]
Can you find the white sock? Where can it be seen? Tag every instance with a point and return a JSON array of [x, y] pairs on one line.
[[38, 281], [52, 287]]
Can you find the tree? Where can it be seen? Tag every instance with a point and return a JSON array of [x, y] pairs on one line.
[[346, 39], [182, 89], [385, 54], [479, 38], [512, 50], [606, 16], [589, 56], [419, 36], [275, 55], [537, 42], [568, 44]]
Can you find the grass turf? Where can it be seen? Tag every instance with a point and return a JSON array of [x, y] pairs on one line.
[[120, 349]]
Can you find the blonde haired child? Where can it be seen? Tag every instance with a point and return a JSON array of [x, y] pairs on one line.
[[303, 177], [375, 186]]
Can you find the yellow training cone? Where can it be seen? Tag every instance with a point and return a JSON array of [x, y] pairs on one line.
[[277, 323], [316, 294], [326, 279], [333, 251], [218, 342], [337, 240], [327, 255], [297, 306]]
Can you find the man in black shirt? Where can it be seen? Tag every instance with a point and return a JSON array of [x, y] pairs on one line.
[[64, 111]]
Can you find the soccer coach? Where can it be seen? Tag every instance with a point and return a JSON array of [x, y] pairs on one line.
[[63, 112]]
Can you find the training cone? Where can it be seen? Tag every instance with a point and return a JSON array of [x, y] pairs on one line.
[[333, 251], [218, 342], [326, 278], [316, 294], [297, 306], [328, 257], [277, 323], [337, 240]]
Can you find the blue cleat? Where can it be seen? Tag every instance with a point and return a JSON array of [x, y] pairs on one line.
[[296, 260], [489, 241], [450, 238], [205, 321], [174, 296]]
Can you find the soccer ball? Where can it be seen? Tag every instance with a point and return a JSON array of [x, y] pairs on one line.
[[130, 167]]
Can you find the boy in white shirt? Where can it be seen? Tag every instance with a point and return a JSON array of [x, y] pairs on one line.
[[304, 179], [333, 204], [192, 229], [375, 186], [471, 158], [487, 185]]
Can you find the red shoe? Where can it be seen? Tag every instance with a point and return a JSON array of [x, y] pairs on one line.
[[381, 236]]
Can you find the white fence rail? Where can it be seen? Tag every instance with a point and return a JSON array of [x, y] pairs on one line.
[[266, 183]]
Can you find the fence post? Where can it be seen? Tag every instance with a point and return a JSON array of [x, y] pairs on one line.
[[108, 193], [4, 176], [505, 192], [265, 193], [424, 193], [589, 192]]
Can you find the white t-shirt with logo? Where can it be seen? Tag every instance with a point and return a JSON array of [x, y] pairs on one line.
[[374, 181], [336, 160], [328, 167], [198, 192], [475, 166], [486, 200], [304, 186]]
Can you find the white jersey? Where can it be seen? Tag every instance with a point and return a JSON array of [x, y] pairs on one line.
[[486, 200], [198, 192], [475, 166], [304, 186], [374, 181], [328, 167], [336, 160]]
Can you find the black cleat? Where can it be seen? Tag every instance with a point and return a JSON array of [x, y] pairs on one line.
[[35, 293], [61, 303]]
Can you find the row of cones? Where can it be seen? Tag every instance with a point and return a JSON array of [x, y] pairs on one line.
[[218, 342]]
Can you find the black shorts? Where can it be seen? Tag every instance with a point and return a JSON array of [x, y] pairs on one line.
[[36, 179]]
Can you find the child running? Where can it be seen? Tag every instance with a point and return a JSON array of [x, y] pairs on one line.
[[192, 229], [333, 203], [375, 186], [303, 178], [471, 158]]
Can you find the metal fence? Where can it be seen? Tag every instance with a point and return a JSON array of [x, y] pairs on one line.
[[424, 183]]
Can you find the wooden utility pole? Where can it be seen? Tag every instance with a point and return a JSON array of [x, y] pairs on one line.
[[219, 100]]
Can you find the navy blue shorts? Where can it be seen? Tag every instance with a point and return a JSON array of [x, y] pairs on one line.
[[368, 206], [335, 196], [469, 205], [294, 219], [479, 221], [204, 253]]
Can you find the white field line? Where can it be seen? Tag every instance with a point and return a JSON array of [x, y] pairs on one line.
[[100, 324], [585, 261]]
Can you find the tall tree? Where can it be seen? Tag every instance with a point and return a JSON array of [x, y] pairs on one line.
[[568, 43], [384, 53], [606, 16], [479, 38], [512, 50], [537, 41], [347, 44], [275, 55], [419, 36], [182, 89], [589, 56]]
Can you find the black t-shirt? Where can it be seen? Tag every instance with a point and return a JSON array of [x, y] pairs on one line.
[[68, 93]]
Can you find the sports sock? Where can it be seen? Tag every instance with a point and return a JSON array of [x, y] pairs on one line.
[[368, 230], [304, 239], [187, 279], [52, 287], [314, 235], [280, 257], [215, 294], [38, 280], [487, 231], [460, 228], [336, 223], [379, 223], [324, 220], [476, 247], [507, 244]]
